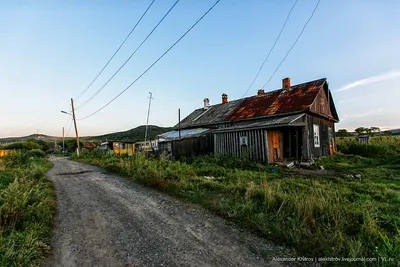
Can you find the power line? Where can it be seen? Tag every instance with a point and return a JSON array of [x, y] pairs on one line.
[[70, 126], [129, 58], [155, 62], [272, 48], [295, 42], [108, 62]]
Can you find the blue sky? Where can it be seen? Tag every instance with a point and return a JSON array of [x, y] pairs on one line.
[[51, 50]]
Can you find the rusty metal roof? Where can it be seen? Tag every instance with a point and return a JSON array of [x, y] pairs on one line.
[[283, 101], [296, 98]]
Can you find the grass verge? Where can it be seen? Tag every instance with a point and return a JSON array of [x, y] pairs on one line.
[[27, 209]]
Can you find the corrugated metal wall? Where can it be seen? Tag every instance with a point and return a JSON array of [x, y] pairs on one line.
[[229, 144]]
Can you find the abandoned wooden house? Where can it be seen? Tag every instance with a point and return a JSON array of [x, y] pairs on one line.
[[294, 122]]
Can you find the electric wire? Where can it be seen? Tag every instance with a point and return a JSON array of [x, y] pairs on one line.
[[129, 58], [295, 42], [155, 62], [112, 57], [272, 48], [70, 126]]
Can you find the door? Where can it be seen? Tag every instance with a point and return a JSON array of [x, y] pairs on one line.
[[274, 144]]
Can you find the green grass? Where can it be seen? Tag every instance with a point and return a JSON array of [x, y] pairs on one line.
[[27, 209], [378, 146], [317, 215]]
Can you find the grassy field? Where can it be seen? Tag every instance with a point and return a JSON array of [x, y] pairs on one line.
[[378, 146], [27, 208], [319, 213]]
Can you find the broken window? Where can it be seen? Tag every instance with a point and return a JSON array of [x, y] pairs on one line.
[[316, 135]]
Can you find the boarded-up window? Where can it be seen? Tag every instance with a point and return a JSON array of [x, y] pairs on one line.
[[243, 141], [316, 135]]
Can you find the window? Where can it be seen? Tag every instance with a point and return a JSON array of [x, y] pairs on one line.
[[243, 140], [316, 135]]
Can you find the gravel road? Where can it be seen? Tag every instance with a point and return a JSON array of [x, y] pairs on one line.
[[106, 220]]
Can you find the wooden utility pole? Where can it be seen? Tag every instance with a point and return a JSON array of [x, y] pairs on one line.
[[76, 129], [179, 123], [63, 141], [148, 115]]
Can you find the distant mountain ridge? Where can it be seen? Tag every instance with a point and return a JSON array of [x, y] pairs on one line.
[[24, 138], [135, 135]]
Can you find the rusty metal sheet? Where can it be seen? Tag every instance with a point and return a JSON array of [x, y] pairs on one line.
[[283, 101], [297, 98]]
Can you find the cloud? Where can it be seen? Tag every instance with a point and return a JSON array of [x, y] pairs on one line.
[[369, 80]]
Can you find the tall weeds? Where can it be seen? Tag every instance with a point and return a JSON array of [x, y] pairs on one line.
[[27, 208]]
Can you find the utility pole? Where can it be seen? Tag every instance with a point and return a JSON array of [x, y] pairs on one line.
[[179, 123], [76, 129], [148, 115], [63, 141], [37, 133]]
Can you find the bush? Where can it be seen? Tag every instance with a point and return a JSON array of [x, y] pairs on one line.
[[23, 145], [36, 153]]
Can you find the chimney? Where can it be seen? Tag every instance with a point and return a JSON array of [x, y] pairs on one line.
[[260, 92], [224, 98], [206, 103], [286, 83]]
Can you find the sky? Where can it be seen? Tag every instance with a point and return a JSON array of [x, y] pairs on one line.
[[51, 50]]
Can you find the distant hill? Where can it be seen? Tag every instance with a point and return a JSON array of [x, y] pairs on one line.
[[135, 134], [396, 132], [24, 138]]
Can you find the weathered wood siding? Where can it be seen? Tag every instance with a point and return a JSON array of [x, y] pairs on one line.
[[191, 147], [229, 144], [325, 139], [321, 104]]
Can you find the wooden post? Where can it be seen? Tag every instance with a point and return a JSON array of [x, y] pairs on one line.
[[76, 129], [63, 149], [179, 118]]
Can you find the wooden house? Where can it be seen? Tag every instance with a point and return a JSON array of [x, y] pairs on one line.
[[294, 122]]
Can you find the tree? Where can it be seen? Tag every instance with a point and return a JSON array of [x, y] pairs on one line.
[[342, 133], [70, 145], [361, 130], [374, 130]]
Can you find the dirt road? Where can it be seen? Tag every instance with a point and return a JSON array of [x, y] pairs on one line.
[[105, 220]]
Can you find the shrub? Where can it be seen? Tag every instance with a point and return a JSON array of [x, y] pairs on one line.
[[23, 145], [36, 153]]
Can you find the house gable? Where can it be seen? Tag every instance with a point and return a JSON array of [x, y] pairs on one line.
[[323, 104]]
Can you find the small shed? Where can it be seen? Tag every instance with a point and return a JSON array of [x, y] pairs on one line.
[[186, 143], [119, 147]]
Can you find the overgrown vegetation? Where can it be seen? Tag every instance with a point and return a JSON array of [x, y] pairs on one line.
[[379, 146], [23, 145], [319, 215], [27, 208]]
